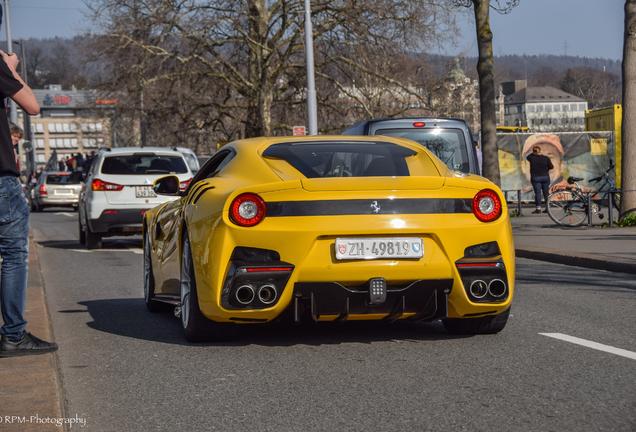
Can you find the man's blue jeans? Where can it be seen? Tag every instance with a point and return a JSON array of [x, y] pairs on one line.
[[539, 184], [14, 251]]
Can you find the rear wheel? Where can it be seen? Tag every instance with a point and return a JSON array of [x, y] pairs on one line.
[[93, 240], [196, 327], [470, 326], [567, 209]]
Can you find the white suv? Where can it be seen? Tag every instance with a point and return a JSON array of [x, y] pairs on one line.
[[118, 190]]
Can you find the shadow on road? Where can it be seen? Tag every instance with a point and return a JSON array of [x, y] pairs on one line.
[[130, 318], [107, 244]]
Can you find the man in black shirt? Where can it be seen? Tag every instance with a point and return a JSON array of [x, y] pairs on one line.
[[14, 222]]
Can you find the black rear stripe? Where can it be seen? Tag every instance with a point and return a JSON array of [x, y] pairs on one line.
[[366, 207], [195, 191], [201, 194]]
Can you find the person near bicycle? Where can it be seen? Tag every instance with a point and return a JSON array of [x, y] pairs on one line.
[[540, 167], [550, 146]]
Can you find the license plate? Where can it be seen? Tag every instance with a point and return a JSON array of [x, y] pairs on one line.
[[378, 248], [63, 191], [145, 192]]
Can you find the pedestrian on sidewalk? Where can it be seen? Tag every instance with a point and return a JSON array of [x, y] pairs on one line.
[[14, 222], [540, 167]]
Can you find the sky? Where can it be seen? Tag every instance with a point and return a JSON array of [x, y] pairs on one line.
[[585, 28]]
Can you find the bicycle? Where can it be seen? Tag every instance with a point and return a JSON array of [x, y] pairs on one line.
[[569, 207]]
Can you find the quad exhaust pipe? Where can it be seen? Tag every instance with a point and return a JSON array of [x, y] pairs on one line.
[[245, 294], [496, 288], [267, 294]]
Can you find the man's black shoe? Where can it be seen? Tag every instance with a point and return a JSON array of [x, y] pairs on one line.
[[545, 211], [537, 211], [27, 345]]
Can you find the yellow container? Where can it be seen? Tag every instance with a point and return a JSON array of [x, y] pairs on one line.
[[608, 119]]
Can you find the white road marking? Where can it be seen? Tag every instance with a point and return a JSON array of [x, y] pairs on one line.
[[66, 214], [593, 345]]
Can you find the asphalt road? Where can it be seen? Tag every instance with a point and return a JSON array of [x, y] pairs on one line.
[[123, 368]]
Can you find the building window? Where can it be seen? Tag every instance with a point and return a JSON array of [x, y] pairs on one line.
[[565, 107], [39, 143], [37, 128], [530, 108], [557, 108], [548, 108], [539, 108], [581, 107], [572, 107]]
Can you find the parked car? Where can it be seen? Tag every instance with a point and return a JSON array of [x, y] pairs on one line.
[[190, 157], [55, 189], [117, 190], [449, 139], [329, 229]]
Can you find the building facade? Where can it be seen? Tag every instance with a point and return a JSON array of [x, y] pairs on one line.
[[542, 109], [70, 122]]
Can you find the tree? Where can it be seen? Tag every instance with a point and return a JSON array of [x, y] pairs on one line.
[[209, 65], [628, 167], [598, 88], [486, 74]]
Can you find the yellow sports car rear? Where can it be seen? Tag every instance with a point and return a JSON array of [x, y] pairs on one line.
[[329, 229]]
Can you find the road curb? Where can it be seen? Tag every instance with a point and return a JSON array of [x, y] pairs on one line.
[[597, 262], [31, 386]]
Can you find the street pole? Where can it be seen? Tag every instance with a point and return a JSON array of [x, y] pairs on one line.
[[30, 156], [312, 116], [13, 115]]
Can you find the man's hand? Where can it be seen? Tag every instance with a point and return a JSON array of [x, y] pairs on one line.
[[10, 59]]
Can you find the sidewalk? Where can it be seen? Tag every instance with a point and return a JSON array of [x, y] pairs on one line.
[[537, 237], [30, 392]]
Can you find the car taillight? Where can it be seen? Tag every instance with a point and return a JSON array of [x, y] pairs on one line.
[[184, 184], [248, 209], [419, 124], [43, 190], [486, 205], [99, 185]]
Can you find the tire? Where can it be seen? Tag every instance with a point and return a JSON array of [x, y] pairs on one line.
[[149, 281], [567, 209], [490, 324], [93, 240], [196, 327], [82, 233]]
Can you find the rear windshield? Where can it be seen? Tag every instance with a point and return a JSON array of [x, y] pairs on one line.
[[345, 159], [144, 164], [447, 144], [60, 179]]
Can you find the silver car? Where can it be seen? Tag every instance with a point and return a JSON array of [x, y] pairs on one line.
[[55, 189]]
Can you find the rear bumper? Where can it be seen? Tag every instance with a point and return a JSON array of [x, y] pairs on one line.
[[123, 222], [422, 300], [58, 201]]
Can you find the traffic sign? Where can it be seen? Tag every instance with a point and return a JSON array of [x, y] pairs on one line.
[[299, 131]]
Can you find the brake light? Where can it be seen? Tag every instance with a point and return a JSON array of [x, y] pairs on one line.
[[184, 184], [99, 185], [248, 209], [269, 269], [43, 190], [486, 205], [419, 124]]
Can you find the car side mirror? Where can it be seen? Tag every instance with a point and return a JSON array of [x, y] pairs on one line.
[[168, 185]]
